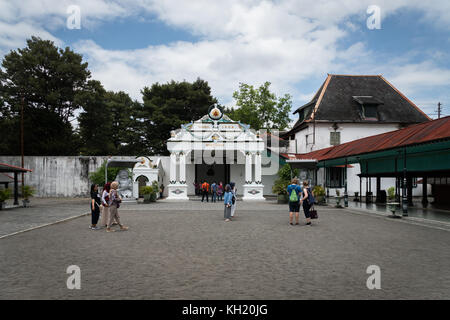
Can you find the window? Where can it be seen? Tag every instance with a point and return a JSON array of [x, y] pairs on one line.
[[370, 111], [335, 138], [335, 177]]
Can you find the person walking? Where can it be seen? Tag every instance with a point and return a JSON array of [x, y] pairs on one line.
[[233, 198], [307, 200], [228, 203], [294, 193], [161, 190], [95, 206], [205, 191], [105, 205], [214, 191], [114, 204], [220, 191]]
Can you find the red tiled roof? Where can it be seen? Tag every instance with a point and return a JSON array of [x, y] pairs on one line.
[[415, 134]]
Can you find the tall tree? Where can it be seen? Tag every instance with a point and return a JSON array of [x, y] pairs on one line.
[[95, 121], [108, 124], [126, 128], [168, 106], [46, 79], [260, 108]]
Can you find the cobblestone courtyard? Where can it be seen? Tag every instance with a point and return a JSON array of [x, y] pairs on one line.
[[186, 251]]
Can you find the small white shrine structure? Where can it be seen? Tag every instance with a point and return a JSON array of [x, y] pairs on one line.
[[215, 148], [145, 172]]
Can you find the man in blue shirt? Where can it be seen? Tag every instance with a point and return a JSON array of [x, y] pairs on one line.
[[214, 191], [294, 194]]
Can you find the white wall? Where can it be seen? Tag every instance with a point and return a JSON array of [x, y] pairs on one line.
[[349, 132], [58, 176]]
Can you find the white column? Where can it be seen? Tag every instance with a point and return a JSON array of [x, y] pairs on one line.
[[182, 168], [173, 168], [258, 168], [248, 168]]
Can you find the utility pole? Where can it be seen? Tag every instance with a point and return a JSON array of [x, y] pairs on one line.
[[21, 144], [439, 110]]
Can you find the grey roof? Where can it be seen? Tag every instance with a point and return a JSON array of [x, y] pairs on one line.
[[340, 97]]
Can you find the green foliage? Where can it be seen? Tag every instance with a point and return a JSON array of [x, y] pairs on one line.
[[284, 179], [147, 190], [391, 193], [45, 81], [167, 106], [98, 177], [108, 124], [319, 191], [28, 192], [5, 194], [261, 108]]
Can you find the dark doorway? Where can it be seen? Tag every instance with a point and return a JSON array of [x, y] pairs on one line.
[[142, 180], [215, 172]]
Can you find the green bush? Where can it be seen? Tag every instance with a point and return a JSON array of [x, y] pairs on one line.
[[146, 190], [28, 192], [98, 177], [285, 176], [319, 191], [5, 194]]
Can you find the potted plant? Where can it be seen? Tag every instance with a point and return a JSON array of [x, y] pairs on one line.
[[338, 199], [147, 191], [28, 192], [5, 194], [392, 205], [280, 186], [280, 189], [319, 194]]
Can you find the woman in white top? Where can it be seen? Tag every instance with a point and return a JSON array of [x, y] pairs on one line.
[[105, 205], [234, 192]]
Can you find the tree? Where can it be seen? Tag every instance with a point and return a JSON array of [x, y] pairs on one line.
[[95, 122], [126, 128], [168, 106], [260, 108], [108, 124], [46, 80]]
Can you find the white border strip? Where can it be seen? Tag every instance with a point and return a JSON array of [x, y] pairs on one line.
[[45, 225]]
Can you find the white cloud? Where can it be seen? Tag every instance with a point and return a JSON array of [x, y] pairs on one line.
[[285, 41]]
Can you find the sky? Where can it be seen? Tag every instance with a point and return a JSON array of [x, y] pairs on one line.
[[292, 44]]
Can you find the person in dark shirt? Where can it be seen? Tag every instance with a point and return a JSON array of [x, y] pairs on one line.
[[95, 207]]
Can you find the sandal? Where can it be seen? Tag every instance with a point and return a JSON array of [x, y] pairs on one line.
[[110, 230]]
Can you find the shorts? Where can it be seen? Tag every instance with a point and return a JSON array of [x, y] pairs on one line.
[[294, 206]]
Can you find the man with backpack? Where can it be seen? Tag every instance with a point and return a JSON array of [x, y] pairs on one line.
[[294, 193], [205, 191]]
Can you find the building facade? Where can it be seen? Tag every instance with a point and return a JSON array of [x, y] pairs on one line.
[[344, 109]]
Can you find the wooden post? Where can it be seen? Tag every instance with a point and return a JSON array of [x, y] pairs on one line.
[[16, 188]]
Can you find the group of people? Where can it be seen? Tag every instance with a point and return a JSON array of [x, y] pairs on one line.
[[106, 206], [300, 197], [216, 190], [108, 203]]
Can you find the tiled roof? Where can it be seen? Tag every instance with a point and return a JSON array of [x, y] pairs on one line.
[[419, 133]]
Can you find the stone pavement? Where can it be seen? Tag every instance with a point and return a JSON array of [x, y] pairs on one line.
[[186, 251], [42, 211]]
